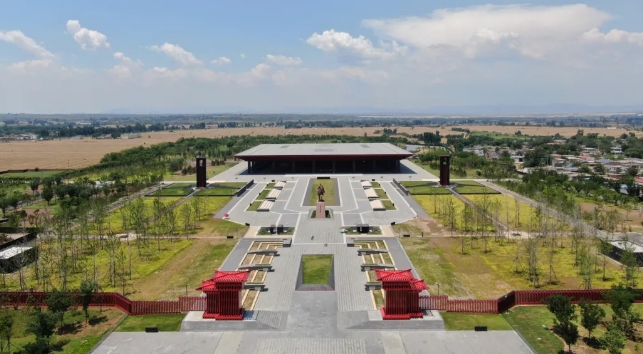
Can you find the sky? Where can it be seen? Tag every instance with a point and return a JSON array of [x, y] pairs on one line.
[[284, 55]]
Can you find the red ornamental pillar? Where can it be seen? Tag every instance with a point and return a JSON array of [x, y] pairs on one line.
[[223, 295]]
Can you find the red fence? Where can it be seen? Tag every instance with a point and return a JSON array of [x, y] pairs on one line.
[[183, 304], [511, 299]]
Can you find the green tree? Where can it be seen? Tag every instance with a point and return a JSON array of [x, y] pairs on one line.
[[42, 324], [47, 194], [630, 264], [569, 332], [591, 315], [613, 340], [6, 326], [621, 299], [59, 302], [34, 184], [87, 288], [562, 308]]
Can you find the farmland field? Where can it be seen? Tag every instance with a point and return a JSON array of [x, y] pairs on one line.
[[71, 153], [548, 131]]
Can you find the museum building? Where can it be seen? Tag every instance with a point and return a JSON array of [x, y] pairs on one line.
[[324, 158]]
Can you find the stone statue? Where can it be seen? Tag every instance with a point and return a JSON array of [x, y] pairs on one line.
[[320, 193]]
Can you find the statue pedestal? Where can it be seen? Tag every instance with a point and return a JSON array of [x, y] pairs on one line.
[[321, 210]]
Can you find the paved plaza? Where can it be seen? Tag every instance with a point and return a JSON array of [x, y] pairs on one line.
[[341, 321]]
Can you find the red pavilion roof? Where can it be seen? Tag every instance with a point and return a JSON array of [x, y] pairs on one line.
[[224, 277], [401, 276]]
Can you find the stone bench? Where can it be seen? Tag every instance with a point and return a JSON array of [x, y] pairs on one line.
[[287, 242], [264, 252], [254, 286], [367, 267], [350, 242], [265, 267], [364, 251], [373, 285]]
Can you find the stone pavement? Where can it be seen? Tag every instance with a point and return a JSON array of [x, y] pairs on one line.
[[354, 342]]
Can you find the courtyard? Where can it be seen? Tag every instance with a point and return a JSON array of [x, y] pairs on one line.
[[344, 319]]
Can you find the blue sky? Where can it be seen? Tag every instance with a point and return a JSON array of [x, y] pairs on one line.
[[97, 56]]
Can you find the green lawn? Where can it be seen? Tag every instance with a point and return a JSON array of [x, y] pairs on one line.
[[381, 193], [30, 174], [165, 323], [316, 268], [468, 187], [176, 189], [529, 321], [254, 206], [388, 204], [424, 188], [329, 187], [376, 185], [263, 194], [78, 336], [466, 322], [218, 227], [216, 192]]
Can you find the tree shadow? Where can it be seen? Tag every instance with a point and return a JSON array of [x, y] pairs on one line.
[[68, 328], [97, 320], [59, 345], [592, 342]]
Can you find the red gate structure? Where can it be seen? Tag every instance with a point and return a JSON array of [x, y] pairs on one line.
[[223, 295], [402, 293]]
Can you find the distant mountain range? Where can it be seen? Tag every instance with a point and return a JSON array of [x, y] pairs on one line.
[[483, 110]]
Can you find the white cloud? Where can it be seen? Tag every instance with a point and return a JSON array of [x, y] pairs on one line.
[[243, 56], [221, 61], [88, 39], [614, 36], [283, 60], [126, 67], [342, 42], [25, 43], [177, 54], [533, 31]]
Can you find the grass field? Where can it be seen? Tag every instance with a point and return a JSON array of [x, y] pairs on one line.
[[165, 323], [329, 187], [432, 204], [218, 227], [316, 268], [76, 337], [542, 130], [466, 321], [529, 321], [175, 189], [143, 265], [481, 275], [211, 172], [518, 215], [184, 272], [30, 174], [114, 220], [424, 188]]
